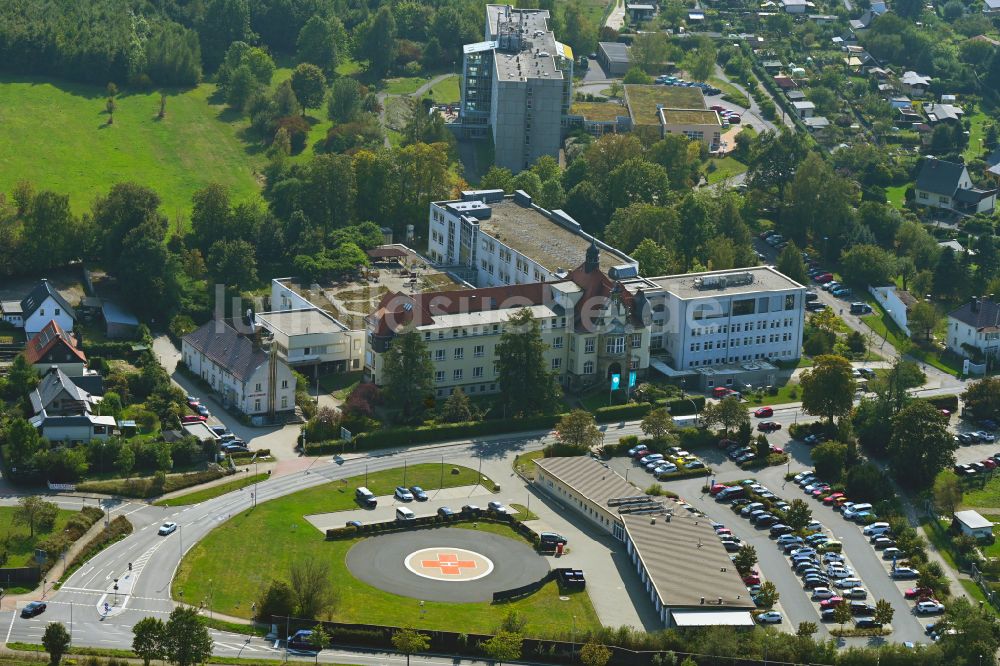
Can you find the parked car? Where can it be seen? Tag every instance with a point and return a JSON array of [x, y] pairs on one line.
[[763, 412], [403, 494], [193, 418], [861, 608], [929, 607], [34, 608], [841, 292], [203, 410], [551, 539], [445, 512], [881, 543], [867, 623], [821, 593], [770, 617], [847, 583], [636, 449], [904, 573], [918, 593], [780, 529], [874, 528], [832, 602], [892, 554]]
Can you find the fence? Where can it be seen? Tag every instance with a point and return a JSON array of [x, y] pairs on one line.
[[423, 522], [988, 592], [18, 575]]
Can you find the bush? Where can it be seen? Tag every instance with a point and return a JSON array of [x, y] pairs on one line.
[[297, 128]]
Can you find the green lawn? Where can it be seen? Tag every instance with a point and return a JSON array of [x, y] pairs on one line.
[[884, 327], [340, 384], [727, 88], [404, 85], [446, 91], [976, 131], [725, 168], [896, 195], [267, 540], [19, 545], [195, 144], [214, 491]]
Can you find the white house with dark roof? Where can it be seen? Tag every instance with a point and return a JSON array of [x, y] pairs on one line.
[[975, 325], [914, 84], [63, 410], [42, 305], [947, 185], [243, 368]]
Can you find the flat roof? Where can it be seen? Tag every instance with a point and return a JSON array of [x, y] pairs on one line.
[[973, 520], [548, 243], [642, 101], [590, 478], [527, 62], [598, 111], [737, 281], [690, 117], [686, 562], [301, 322], [711, 618], [615, 51]]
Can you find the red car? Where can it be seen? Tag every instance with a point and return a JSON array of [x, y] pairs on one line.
[[763, 412], [777, 449], [752, 579], [918, 593], [724, 530], [717, 107], [830, 499], [832, 602], [990, 463], [717, 488], [823, 278], [768, 426], [193, 418]]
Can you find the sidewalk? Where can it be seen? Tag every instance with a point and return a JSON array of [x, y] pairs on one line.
[[241, 471]]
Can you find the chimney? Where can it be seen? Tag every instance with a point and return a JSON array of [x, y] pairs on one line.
[[720, 601], [975, 303], [703, 601], [652, 520]]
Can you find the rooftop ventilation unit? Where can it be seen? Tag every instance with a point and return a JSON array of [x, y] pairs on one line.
[[724, 281]]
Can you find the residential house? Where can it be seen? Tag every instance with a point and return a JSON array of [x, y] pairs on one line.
[[940, 113], [795, 95], [896, 303], [54, 347], [991, 7], [815, 123], [58, 395], [72, 429], [971, 523], [914, 84], [993, 164], [243, 367], [42, 305], [974, 330], [784, 82], [947, 185]]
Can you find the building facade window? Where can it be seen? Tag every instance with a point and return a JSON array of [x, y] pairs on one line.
[[615, 345], [588, 367], [459, 353], [439, 376], [588, 346], [456, 374]]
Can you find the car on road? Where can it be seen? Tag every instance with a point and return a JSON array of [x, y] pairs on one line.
[[167, 528], [301, 640], [770, 617], [418, 493], [403, 494], [445, 512], [763, 412], [768, 426], [203, 410], [929, 607], [33, 608], [193, 418], [904, 573]]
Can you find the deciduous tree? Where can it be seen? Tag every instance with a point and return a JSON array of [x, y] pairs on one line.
[[746, 558], [728, 413], [149, 638], [317, 44], [828, 387], [982, 398], [947, 492], [658, 424], [828, 458], [409, 641], [187, 639], [579, 430], [921, 445], [310, 582], [798, 515], [309, 85], [56, 641], [790, 263], [594, 654], [503, 646]]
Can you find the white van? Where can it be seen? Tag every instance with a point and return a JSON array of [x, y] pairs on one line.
[[365, 497], [402, 513]]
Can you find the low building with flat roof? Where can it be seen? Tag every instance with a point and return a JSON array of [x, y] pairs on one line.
[[656, 111], [312, 337], [971, 523], [614, 57], [686, 571], [506, 239]]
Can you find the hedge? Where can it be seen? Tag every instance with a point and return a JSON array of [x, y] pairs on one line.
[[145, 487], [949, 402]]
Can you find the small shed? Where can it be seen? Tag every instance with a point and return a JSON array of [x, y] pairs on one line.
[[971, 523], [118, 323]]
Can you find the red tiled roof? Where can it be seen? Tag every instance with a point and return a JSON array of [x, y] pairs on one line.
[[47, 340]]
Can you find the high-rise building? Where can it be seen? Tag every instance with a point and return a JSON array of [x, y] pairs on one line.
[[517, 86]]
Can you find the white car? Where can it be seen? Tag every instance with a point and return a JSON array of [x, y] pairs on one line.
[[875, 528], [839, 572], [830, 558], [167, 528], [498, 507], [770, 617], [821, 593], [929, 607], [815, 526], [665, 468], [847, 583]]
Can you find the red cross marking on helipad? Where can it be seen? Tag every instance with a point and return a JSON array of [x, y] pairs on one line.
[[449, 564]]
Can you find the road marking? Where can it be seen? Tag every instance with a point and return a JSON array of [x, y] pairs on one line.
[[81, 589], [11, 627]]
